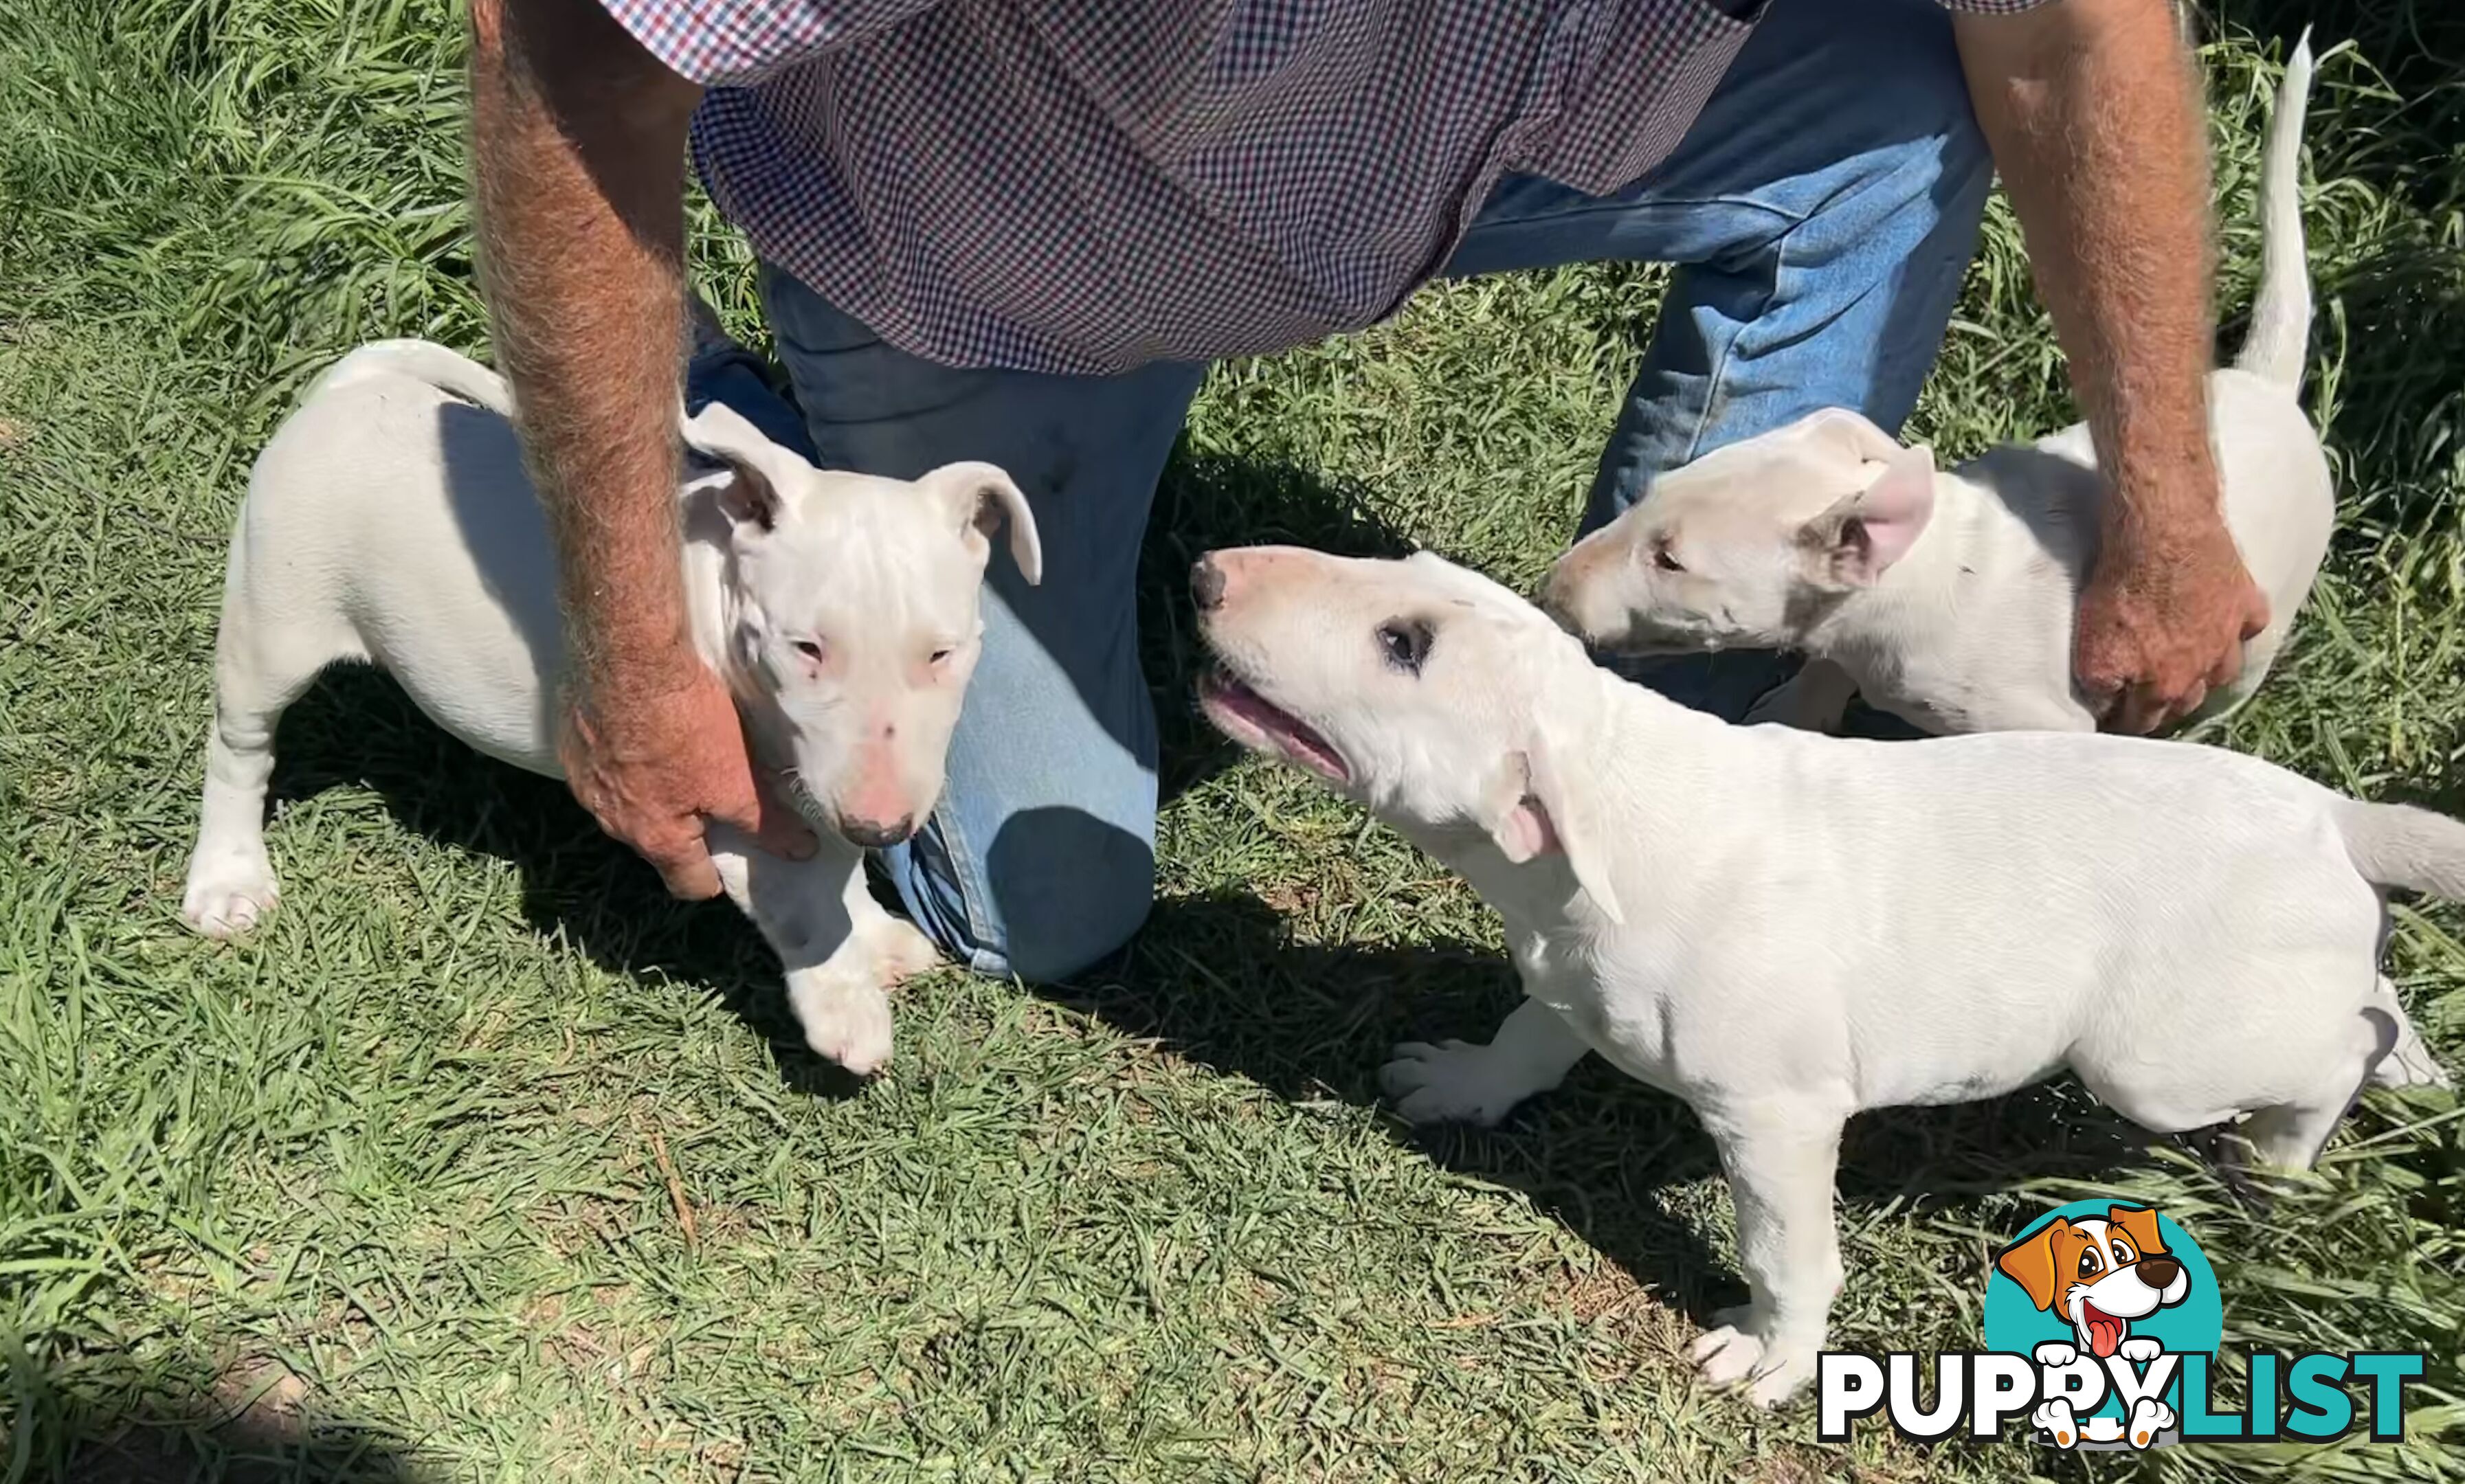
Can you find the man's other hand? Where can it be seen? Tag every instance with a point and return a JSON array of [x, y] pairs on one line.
[[2162, 622], [657, 759]]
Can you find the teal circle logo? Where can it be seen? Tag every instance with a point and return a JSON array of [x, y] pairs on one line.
[[2099, 1283]]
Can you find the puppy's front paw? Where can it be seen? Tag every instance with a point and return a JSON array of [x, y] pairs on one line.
[[1728, 1351], [2055, 1420], [1784, 1373], [2056, 1352], [900, 950], [1453, 1082], [2149, 1417], [2139, 1349], [228, 893], [847, 1021], [1725, 1354], [1736, 1349]]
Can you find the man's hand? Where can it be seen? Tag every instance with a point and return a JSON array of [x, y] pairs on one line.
[[2162, 625], [655, 763], [577, 151], [2092, 112]]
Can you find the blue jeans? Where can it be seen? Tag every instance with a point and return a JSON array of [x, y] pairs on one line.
[[1822, 211]]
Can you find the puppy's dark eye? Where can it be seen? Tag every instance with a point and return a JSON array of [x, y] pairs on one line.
[[810, 648], [2122, 1257], [2091, 1263], [1663, 559], [1405, 642]]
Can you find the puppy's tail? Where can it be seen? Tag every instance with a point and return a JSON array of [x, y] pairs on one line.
[[2280, 318], [2399, 844], [422, 361]]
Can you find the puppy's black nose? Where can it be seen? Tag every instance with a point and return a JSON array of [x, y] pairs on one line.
[[2157, 1269], [877, 837], [1207, 585]]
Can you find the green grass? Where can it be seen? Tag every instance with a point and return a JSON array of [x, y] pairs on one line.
[[485, 1161]]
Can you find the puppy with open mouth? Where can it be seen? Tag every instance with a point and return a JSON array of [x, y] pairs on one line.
[[1784, 928]]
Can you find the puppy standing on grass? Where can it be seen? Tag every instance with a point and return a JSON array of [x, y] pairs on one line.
[[1784, 928], [389, 521], [1948, 599]]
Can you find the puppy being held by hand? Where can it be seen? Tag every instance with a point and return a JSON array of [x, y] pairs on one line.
[[389, 522], [1784, 928], [1948, 599]]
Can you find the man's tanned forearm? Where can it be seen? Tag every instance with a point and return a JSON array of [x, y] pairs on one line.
[[577, 164], [2093, 115]]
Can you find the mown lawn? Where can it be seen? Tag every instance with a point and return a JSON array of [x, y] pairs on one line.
[[484, 1161]]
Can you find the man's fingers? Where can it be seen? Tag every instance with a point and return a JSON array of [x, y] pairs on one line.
[[2100, 680], [2104, 687], [780, 830], [2184, 705], [2141, 711], [2148, 708], [758, 810], [687, 871], [692, 881]]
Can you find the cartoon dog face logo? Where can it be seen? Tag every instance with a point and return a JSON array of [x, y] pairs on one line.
[[2099, 1274]]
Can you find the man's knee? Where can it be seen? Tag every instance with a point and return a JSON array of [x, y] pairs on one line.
[[1058, 891], [1067, 890]]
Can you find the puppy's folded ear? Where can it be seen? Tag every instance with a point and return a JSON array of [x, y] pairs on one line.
[[1519, 824], [747, 499], [751, 501], [1531, 815], [2031, 1263], [1850, 433], [981, 497], [1856, 541]]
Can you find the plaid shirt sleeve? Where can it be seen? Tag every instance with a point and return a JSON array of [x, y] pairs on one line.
[[735, 42]]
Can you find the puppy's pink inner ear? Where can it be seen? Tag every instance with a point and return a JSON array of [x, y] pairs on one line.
[[1863, 535], [1526, 832], [1895, 508]]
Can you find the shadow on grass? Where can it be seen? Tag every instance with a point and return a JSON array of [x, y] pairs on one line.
[[355, 727], [237, 1429], [1218, 980]]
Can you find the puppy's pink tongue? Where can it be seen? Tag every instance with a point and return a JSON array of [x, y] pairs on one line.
[[2105, 1331]]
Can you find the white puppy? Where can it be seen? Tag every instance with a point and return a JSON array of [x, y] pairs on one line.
[[1948, 599], [389, 521], [1783, 928]]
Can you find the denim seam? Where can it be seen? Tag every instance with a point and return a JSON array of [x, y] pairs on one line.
[[1772, 293], [1703, 416], [963, 871]]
